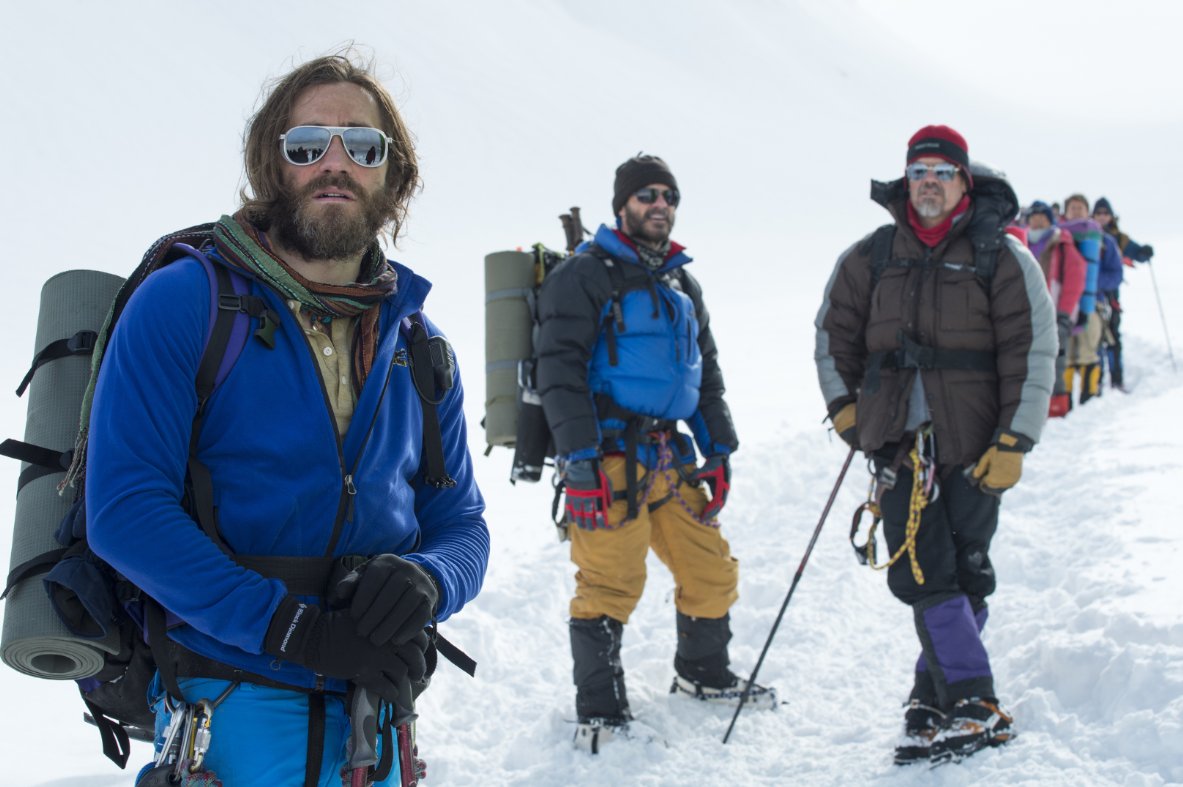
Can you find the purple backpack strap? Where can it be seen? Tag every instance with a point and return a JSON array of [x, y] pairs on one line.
[[222, 281]]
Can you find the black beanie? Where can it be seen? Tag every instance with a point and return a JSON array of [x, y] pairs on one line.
[[1103, 204], [637, 173]]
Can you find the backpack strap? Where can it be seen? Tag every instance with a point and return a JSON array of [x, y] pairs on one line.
[[630, 468], [432, 367], [231, 311], [986, 259], [31, 567], [614, 319], [81, 343], [314, 751], [41, 461], [880, 248], [116, 741]]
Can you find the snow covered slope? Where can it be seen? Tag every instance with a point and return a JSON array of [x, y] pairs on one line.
[[124, 121]]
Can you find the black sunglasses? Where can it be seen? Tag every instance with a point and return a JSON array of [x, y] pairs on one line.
[[648, 196]]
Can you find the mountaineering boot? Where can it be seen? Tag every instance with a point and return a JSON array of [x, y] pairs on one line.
[[758, 697], [921, 723], [601, 702], [972, 725], [592, 734], [701, 665], [1090, 382], [1059, 405]]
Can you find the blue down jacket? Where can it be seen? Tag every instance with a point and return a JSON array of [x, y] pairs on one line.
[[280, 471], [667, 362]]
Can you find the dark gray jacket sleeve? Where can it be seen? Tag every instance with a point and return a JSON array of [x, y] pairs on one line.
[[569, 306], [713, 414]]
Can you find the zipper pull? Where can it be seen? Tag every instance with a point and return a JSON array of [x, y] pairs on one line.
[[350, 490]]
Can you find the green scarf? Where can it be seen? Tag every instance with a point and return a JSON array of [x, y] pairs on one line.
[[240, 243]]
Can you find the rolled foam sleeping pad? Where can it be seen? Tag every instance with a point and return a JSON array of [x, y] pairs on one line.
[[509, 324], [34, 640]]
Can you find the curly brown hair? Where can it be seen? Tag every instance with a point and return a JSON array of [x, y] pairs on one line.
[[264, 162]]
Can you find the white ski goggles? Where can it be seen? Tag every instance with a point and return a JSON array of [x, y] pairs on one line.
[[304, 145]]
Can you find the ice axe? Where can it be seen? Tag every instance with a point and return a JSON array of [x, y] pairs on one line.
[[796, 578]]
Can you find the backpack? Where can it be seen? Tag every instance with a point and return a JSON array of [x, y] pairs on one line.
[[513, 408], [115, 636]]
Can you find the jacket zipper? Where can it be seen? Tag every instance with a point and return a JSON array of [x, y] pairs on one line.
[[345, 508], [348, 490]]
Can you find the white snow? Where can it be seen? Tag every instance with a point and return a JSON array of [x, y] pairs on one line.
[[123, 121]]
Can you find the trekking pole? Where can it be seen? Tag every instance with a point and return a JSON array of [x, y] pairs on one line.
[[1162, 315], [363, 724], [796, 578]]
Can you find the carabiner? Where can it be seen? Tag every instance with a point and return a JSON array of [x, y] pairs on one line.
[[202, 721], [866, 552]]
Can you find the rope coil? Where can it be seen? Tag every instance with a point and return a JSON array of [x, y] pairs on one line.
[[923, 484]]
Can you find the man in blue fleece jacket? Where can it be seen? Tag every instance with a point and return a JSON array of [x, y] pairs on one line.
[[314, 447]]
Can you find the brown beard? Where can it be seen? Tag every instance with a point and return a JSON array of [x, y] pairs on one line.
[[339, 233], [634, 227]]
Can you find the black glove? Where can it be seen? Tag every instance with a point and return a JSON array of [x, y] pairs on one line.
[[1148, 251], [394, 598], [328, 644], [413, 653], [589, 495], [716, 473]]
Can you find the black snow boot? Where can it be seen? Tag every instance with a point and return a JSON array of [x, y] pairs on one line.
[[921, 724], [599, 675], [702, 651], [701, 665]]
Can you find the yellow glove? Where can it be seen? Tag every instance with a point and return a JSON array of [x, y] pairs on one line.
[[845, 425], [1001, 466]]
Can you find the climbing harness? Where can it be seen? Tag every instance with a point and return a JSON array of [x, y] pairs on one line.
[[674, 477], [925, 490], [186, 740], [669, 470]]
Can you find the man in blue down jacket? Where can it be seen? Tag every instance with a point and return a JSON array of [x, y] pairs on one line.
[[625, 352], [314, 448]]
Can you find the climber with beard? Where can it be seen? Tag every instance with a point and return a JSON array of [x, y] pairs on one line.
[[304, 615], [935, 350], [625, 352]]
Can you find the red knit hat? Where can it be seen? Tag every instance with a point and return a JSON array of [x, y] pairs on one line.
[[941, 142]]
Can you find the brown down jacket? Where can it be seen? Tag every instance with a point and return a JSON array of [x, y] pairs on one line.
[[938, 300]]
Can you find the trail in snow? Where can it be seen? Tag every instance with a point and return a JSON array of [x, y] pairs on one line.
[[1085, 635]]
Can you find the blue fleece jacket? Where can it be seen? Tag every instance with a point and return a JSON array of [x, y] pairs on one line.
[[280, 472]]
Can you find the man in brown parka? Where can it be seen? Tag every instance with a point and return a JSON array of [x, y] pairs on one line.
[[936, 344]]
